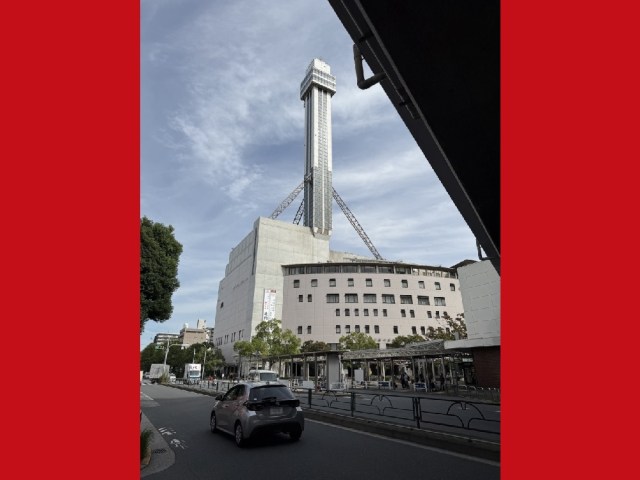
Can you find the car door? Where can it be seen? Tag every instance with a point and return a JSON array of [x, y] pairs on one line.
[[227, 407]]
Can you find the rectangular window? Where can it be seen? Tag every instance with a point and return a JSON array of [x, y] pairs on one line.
[[437, 284], [422, 300], [414, 330], [309, 329], [357, 328], [333, 298], [452, 287], [395, 329], [420, 283], [332, 282], [309, 298], [388, 299], [299, 329], [356, 312], [347, 313], [350, 282], [338, 312], [437, 314], [296, 284], [314, 282], [337, 328], [369, 298], [366, 312], [366, 329], [406, 299], [405, 284], [300, 298], [369, 282], [412, 314], [422, 330], [403, 313], [429, 314], [350, 298], [439, 301], [347, 329], [387, 282], [375, 312], [384, 312], [376, 329]]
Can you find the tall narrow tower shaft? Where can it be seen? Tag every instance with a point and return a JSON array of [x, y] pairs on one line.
[[316, 91]]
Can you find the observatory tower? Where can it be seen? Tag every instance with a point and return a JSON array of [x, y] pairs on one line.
[[316, 91]]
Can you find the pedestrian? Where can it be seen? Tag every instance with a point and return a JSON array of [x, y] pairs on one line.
[[441, 382]]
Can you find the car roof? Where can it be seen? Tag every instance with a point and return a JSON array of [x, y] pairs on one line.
[[262, 384]]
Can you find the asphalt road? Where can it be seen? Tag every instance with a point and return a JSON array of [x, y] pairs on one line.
[[325, 451]]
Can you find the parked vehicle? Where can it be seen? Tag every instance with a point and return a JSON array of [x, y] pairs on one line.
[[172, 377], [253, 407], [262, 376], [192, 373], [156, 371], [146, 375]]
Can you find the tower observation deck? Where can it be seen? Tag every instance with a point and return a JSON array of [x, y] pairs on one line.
[[316, 91]]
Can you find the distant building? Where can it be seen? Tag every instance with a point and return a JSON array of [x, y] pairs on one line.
[[163, 338], [189, 336]]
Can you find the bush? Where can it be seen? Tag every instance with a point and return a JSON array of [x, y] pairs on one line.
[[145, 442]]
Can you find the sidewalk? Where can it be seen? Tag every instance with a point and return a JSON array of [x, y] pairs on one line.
[[161, 454]]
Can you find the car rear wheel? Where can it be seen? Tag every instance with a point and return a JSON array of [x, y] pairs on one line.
[[213, 423], [295, 434], [239, 435]]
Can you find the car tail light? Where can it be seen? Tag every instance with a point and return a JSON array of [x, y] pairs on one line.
[[253, 406]]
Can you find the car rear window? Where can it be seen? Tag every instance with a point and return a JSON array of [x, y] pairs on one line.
[[271, 391]]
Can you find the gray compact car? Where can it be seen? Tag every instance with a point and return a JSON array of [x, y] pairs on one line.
[[252, 407]]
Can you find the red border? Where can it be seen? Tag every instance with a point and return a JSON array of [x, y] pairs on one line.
[[70, 183]]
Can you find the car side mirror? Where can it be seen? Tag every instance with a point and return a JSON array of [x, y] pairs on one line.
[[219, 396]]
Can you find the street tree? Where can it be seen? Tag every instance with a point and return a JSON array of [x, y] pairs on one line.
[[454, 327], [314, 346], [403, 340], [271, 340], [159, 258], [357, 341]]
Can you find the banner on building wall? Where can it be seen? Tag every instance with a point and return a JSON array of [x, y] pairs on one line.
[[269, 305]]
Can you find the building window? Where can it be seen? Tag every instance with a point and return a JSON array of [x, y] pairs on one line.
[[439, 301], [357, 328], [347, 329], [356, 312], [422, 300], [309, 298], [403, 313], [384, 312], [405, 284], [420, 284], [332, 282], [422, 330], [414, 330], [300, 297], [309, 329], [375, 312], [387, 282], [429, 314], [452, 287], [376, 329], [299, 329], [412, 314], [388, 299], [221, 304], [437, 284], [337, 328], [347, 312], [366, 329], [314, 282], [296, 284], [338, 312], [333, 298], [369, 282], [350, 298], [366, 312], [437, 314], [369, 298], [350, 282], [406, 299], [395, 329]]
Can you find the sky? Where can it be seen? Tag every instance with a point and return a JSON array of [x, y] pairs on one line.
[[222, 142]]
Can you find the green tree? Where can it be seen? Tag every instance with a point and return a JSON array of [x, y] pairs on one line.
[[271, 340], [357, 341], [313, 346], [402, 340], [453, 326], [159, 258]]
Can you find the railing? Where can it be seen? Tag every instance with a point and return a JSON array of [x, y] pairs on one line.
[[471, 391]]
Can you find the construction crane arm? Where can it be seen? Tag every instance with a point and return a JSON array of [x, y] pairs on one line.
[[356, 225]]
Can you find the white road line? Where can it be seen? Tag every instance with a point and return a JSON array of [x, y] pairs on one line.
[[404, 442], [146, 397]]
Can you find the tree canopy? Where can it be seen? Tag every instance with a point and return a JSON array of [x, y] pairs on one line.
[[269, 340], [314, 346], [357, 341], [159, 258], [454, 327], [403, 340]]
